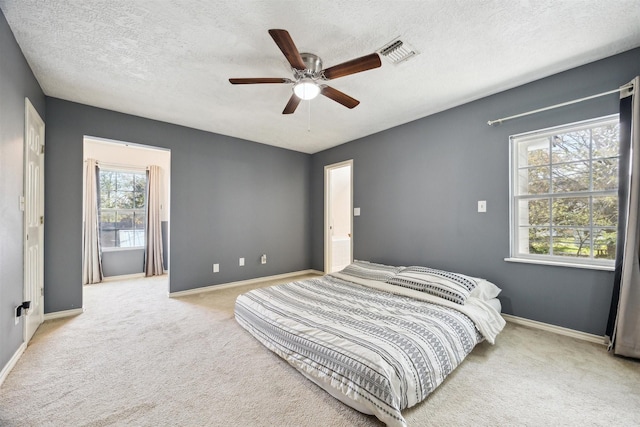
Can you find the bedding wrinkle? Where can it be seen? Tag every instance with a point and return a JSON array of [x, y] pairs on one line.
[[486, 318]]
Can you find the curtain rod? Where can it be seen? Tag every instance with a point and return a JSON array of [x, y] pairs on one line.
[[575, 101]]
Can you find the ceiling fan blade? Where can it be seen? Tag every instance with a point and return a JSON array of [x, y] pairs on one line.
[[293, 103], [251, 81], [357, 65], [286, 45], [339, 97]]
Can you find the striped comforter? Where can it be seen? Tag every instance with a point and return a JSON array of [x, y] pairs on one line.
[[377, 352]]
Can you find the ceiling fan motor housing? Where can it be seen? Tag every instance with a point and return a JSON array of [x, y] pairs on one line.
[[313, 65]]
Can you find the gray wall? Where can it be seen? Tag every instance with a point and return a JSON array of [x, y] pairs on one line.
[[16, 83], [122, 262], [418, 185], [230, 198]]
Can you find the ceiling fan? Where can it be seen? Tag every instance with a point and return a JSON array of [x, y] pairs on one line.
[[308, 75]]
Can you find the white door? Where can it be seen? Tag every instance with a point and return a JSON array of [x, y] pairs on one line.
[[338, 216], [33, 219]]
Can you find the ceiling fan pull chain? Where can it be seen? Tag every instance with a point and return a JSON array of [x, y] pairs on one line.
[[309, 123]]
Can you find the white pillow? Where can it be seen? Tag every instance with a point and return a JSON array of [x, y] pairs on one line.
[[485, 290]]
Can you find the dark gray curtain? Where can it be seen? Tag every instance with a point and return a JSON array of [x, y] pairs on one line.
[[623, 328]]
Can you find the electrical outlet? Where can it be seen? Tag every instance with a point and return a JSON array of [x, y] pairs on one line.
[[15, 314], [241, 262], [216, 268], [263, 259]]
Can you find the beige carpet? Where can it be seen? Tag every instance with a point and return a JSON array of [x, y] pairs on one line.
[[137, 357]]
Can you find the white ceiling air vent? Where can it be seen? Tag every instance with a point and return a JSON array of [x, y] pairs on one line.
[[397, 51]]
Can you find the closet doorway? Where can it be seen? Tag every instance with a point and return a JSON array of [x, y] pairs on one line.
[[128, 207], [338, 218]]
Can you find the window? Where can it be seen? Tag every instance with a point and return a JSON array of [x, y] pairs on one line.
[[122, 208], [564, 193]]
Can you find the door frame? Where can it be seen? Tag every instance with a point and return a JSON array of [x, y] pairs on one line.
[[35, 314], [327, 209], [111, 146]]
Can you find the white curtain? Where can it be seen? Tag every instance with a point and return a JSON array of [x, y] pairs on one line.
[[626, 334], [91, 258], [153, 231]]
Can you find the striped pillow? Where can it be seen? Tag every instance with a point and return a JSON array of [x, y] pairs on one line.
[[370, 270], [450, 286]]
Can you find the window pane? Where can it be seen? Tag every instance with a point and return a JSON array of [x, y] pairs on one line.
[[138, 200], [107, 187], [139, 220], [534, 180], [124, 199], [605, 241], [140, 183], [572, 211], [124, 220], [108, 238], [574, 242], [106, 201], [126, 238], [538, 240], [605, 141], [125, 181], [107, 229], [533, 153], [139, 237], [107, 181], [605, 174], [605, 211], [569, 177], [534, 212], [107, 219], [571, 146]]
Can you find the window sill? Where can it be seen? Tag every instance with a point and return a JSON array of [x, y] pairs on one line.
[[561, 264], [137, 248]]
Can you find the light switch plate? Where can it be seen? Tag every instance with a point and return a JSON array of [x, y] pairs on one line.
[[482, 205], [216, 268], [356, 211], [241, 262]]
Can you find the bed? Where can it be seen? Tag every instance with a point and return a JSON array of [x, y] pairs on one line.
[[378, 338]]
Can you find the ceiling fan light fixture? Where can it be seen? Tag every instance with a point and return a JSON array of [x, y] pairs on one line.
[[306, 89]]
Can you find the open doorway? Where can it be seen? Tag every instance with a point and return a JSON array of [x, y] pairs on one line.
[[130, 203], [338, 216]]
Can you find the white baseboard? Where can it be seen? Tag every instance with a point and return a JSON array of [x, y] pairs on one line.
[[123, 277], [64, 313], [12, 362], [242, 283], [596, 339]]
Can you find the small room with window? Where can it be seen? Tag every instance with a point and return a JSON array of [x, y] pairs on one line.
[[120, 201]]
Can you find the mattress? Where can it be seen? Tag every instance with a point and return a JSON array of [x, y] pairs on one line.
[[378, 350]]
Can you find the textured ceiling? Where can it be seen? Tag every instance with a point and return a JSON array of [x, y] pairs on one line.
[[171, 60]]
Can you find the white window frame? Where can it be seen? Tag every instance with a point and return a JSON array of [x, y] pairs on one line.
[[122, 170], [514, 225]]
